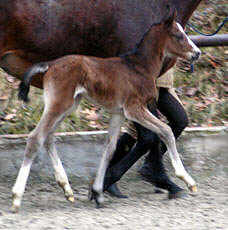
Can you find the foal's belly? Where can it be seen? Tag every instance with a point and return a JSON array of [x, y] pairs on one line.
[[111, 106]]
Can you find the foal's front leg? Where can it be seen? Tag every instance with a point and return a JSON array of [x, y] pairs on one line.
[[142, 115], [114, 130]]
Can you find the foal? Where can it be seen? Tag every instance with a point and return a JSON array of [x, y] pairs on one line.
[[124, 85]]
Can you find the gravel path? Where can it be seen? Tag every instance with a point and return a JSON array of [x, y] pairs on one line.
[[44, 206]]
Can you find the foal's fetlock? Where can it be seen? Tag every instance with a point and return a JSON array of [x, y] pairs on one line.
[[67, 191], [191, 184], [69, 196], [95, 195], [16, 203], [193, 188], [98, 197]]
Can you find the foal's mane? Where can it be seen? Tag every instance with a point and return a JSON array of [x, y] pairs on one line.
[[135, 49]]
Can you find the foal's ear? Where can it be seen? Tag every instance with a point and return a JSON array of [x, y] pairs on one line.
[[171, 18]]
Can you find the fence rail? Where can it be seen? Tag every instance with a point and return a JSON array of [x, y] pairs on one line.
[[216, 40]]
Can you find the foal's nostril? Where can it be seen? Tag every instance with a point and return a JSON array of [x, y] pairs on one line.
[[196, 56]]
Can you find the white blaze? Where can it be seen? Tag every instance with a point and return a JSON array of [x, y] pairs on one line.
[[195, 49]]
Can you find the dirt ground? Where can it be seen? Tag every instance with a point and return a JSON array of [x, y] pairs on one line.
[[44, 206]]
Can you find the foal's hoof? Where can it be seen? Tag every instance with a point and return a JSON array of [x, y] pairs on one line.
[[68, 193], [16, 203], [69, 196], [99, 198], [94, 195], [177, 194], [193, 188], [71, 199], [14, 209]]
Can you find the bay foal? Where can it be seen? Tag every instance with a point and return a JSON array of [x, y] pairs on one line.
[[124, 85]]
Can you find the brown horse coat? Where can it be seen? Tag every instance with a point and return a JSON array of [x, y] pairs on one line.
[[36, 30]]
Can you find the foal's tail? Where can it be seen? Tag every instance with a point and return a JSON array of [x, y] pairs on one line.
[[27, 77]]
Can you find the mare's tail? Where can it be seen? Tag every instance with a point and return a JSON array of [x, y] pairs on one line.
[[27, 77]]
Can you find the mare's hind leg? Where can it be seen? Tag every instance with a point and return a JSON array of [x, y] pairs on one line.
[[142, 116], [40, 138]]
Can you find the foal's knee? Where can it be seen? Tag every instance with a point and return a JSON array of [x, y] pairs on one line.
[[167, 133]]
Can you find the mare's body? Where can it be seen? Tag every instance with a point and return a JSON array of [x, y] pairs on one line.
[[33, 31]]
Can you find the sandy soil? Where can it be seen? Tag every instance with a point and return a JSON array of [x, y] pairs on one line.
[[44, 206]]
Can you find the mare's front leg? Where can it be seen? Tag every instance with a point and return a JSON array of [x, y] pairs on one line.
[[114, 130], [142, 115]]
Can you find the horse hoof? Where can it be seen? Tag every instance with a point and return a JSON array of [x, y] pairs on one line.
[[69, 196], [99, 205], [177, 194], [16, 203], [71, 199], [94, 195], [14, 209], [193, 188], [99, 199]]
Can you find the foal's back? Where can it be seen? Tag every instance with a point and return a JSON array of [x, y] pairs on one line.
[[108, 81]]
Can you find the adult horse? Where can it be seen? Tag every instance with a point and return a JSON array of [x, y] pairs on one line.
[[36, 30]]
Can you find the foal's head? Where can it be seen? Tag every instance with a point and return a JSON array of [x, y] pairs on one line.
[[178, 44]]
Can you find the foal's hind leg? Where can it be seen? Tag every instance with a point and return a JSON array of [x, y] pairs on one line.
[[60, 174], [40, 138], [19, 186], [142, 116]]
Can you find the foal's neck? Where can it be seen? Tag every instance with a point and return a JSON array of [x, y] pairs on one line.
[[148, 57]]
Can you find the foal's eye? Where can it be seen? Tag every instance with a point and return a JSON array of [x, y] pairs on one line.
[[179, 37]]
